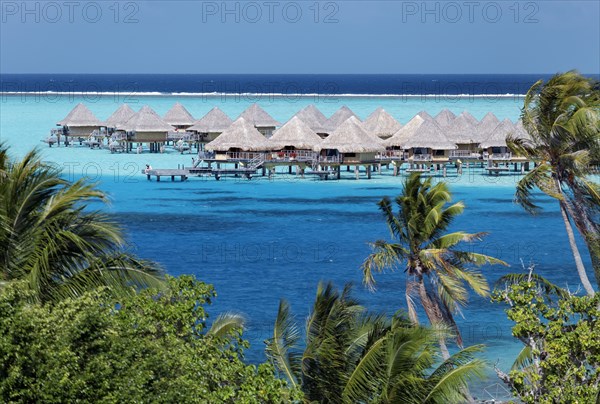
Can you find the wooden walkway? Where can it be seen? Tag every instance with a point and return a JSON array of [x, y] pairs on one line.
[[184, 173]]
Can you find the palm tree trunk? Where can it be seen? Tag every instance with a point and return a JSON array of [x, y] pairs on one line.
[[588, 229], [578, 262]]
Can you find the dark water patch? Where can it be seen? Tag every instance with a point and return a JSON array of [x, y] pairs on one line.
[[225, 199], [175, 222], [180, 189], [514, 214], [195, 191], [338, 200], [324, 215], [398, 188], [213, 192], [496, 200]]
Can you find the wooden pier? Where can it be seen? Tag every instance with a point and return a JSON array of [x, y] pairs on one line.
[[183, 173]]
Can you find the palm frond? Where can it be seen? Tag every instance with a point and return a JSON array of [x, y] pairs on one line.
[[523, 359], [281, 347], [225, 324], [385, 256], [546, 286]]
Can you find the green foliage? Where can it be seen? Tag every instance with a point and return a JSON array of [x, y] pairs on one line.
[[560, 361], [353, 356], [438, 274], [153, 346], [562, 117], [51, 239]]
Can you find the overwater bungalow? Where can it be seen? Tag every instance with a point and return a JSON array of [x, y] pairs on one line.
[[146, 127], [240, 141], [179, 117], [118, 137], [494, 147], [485, 127], [294, 141], [444, 118], [119, 117], [381, 124], [79, 123], [463, 133], [350, 144], [261, 120], [395, 144], [338, 117], [211, 125], [428, 144], [314, 118]]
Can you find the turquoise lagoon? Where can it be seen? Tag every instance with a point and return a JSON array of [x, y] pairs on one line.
[[261, 240]]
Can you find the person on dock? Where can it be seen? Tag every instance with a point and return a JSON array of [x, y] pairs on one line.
[[148, 168]]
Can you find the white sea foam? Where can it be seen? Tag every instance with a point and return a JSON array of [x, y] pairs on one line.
[[249, 94]]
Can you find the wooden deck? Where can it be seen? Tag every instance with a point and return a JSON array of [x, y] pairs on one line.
[[497, 170], [184, 173]]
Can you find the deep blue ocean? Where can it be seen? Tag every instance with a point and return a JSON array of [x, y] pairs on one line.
[[351, 84], [261, 240]]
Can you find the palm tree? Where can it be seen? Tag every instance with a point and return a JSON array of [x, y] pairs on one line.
[[562, 118], [437, 274], [352, 356], [53, 242]]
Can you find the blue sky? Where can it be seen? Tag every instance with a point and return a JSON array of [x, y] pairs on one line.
[[299, 37]]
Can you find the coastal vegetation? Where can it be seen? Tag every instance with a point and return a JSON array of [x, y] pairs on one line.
[[153, 346], [55, 242], [353, 356], [560, 332]]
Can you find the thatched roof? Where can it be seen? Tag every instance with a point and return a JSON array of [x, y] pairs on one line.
[[470, 118], [429, 134], [179, 116], [444, 118], [215, 121], [241, 134], [425, 115], [339, 116], [461, 131], [80, 116], [258, 117], [497, 137], [314, 118], [405, 133], [521, 132], [381, 124], [145, 120], [120, 116], [487, 124], [295, 133], [351, 137]]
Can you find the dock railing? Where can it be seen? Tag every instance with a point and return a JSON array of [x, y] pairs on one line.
[[294, 155], [243, 156], [329, 159], [422, 157], [393, 155], [501, 156], [464, 154]]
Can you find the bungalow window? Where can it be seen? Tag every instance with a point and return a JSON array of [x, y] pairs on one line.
[[439, 152], [349, 154]]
